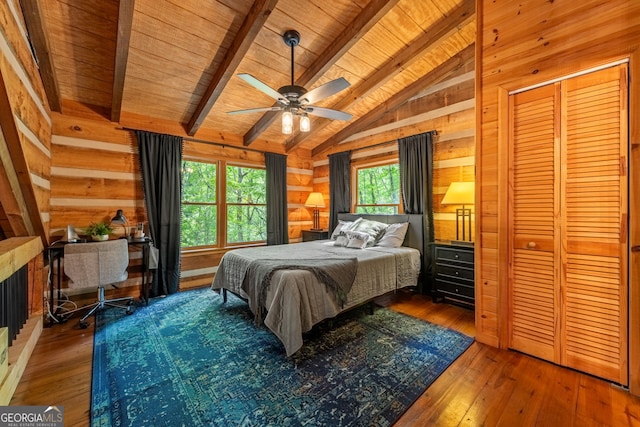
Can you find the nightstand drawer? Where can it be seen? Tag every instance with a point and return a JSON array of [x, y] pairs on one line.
[[454, 254], [454, 271], [458, 289]]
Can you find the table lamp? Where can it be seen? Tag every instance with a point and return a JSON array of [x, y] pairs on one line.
[[461, 193], [315, 200]]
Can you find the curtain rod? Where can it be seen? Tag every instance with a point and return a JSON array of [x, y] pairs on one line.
[[202, 141], [432, 132]]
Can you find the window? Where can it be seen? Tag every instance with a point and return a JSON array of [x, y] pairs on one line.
[[216, 215], [246, 204], [378, 189], [199, 204]]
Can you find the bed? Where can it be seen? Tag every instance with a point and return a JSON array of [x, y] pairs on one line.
[[290, 299]]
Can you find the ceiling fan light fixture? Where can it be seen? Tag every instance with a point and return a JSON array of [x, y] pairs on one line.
[[287, 122], [305, 123], [294, 100]]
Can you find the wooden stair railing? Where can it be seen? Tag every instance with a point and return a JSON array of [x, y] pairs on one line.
[[20, 307]]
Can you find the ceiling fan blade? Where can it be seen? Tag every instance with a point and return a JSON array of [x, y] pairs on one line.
[[325, 90], [327, 113], [255, 110], [263, 87]]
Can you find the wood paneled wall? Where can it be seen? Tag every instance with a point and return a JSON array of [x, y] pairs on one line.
[[523, 44], [95, 171], [25, 139], [447, 107]]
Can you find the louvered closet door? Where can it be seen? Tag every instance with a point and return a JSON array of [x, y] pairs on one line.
[[534, 161], [568, 222], [594, 187]]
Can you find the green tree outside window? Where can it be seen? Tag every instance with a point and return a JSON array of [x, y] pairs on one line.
[[378, 189], [199, 204], [246, 204]]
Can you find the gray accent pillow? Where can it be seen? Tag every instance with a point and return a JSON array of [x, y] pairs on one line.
[[341, 240], [358, 239], [342, 227], [374, 229]]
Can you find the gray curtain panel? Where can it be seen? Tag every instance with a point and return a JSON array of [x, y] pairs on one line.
[[339, 186], [416, 181], [161, 166], [277, 212]]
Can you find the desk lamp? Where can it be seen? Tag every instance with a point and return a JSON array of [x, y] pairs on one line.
[[121, 219]]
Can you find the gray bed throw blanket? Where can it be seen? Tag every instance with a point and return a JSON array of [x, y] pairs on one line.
[[337, 274]]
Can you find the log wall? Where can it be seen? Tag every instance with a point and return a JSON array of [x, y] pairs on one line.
[[95, 171], [25, 137], [448, 108], [25, 140], [523, 44]]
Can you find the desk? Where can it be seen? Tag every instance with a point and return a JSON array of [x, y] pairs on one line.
[[55, 252]]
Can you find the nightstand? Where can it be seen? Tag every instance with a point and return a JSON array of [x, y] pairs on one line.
[[309, 235], [454, 274]]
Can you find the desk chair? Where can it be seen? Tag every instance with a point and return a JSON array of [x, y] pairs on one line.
[[97, 264]]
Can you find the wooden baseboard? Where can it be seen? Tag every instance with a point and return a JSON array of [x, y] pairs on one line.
[[19, 354]]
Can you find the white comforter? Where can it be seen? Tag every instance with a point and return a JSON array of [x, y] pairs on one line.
[[296, 300]]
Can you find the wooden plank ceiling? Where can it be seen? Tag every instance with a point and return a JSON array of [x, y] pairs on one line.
[[178, 60]]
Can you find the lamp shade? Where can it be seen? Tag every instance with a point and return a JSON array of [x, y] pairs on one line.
[[460, 193], [287, 122], [119, 218], [305, 123], [315, 200]]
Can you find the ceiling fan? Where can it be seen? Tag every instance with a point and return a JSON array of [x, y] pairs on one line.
[[296, 100]]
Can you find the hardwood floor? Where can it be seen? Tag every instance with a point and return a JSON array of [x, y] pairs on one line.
[[485, 386]]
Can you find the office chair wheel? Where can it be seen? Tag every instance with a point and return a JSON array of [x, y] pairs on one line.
[[130, 308], [84, 324]]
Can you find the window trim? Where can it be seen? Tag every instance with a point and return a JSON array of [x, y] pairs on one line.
[[226, 205], [221, 205], [216, 204]]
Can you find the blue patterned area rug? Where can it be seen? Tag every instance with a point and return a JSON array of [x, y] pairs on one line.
[[190, 360]]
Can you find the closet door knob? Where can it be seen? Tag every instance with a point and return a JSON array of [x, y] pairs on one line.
[[531, 245]]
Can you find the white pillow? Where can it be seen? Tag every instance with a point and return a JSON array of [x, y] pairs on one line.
[[343, 226], [359, 240], [394, 235]]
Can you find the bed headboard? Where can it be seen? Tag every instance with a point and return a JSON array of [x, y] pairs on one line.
[[415, 233]]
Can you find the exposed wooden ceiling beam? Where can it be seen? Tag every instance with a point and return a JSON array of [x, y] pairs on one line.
[[125, 20], [369, 16], [11, 198], [19, 202], [398, 99], [431, 39], [32, 11], [253, 23]]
